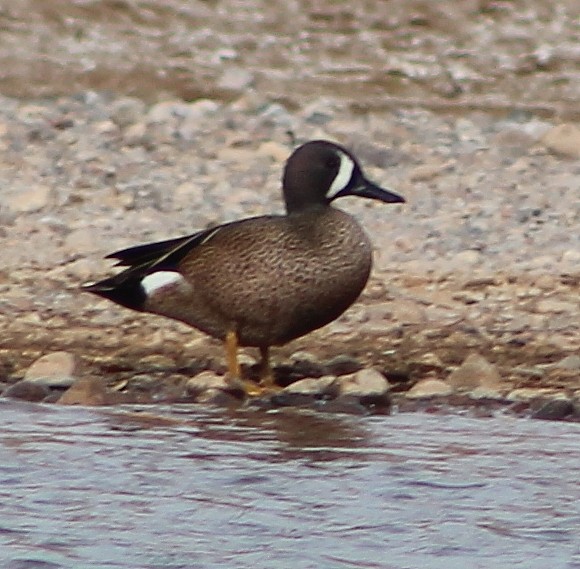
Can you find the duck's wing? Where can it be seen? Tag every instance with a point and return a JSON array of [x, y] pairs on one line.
[[125, 288], [160, 253]]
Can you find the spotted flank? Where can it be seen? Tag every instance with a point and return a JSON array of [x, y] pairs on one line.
[[343, 177], [160, 280]]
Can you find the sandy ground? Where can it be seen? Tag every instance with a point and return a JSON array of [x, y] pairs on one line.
[[483, 143]]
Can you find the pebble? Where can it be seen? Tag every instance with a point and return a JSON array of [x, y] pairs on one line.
[[307, 364], [29, 200], [90, 391], [429, 388], [57, 369], [27, 391], [205, 381], [554, 410], [553, 305], [342, 364], [571, 362], [474, 372], [427, 362], [364, 383], [481, 393], [217, 398], [126, 111], [311, 385], [530, 393], [564, 140], [274, 150], [235, 79]]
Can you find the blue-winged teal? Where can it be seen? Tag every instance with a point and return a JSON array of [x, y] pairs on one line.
[[266, 280]]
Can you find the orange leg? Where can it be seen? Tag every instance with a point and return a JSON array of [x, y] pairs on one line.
[[234, 369], [266, 372]]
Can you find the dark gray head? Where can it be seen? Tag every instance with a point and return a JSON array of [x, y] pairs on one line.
[[319, 171]]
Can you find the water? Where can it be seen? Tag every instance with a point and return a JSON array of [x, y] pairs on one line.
[[195, 488]]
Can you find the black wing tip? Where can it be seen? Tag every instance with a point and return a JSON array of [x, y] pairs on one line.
[[128, 293]]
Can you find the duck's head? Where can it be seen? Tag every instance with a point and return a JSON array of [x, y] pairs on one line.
[[319, 172]]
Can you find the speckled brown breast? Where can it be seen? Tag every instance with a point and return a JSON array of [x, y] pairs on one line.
[[272, 279]]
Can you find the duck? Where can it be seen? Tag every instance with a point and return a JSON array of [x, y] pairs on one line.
[[261, 281]]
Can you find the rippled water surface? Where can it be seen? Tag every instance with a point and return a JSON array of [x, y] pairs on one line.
[[186, 487]]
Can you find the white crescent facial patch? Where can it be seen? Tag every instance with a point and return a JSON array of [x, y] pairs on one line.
[[342, 177]]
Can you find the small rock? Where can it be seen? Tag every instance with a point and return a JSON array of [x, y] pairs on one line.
[[274, 150], [554, 410], [427, 362], [80, 241], [485, 393], [166, 111], [364, 383], [86, 391], [569, 362], [530, 393], [525, 371], [426, 172], [469, 297], [571, 257], [475, 371], [57, 369], [306, 364], [408, 312], [135, 134], [347, 405], [126, 111], [235, 79], [29, 200], [320, 111], [553, 305], [217, 397], [205, 381], [467, 258], [342, 364], [202, 108], [563, 139], [311, 385], [429, 388], [27, 391], [193, 123]]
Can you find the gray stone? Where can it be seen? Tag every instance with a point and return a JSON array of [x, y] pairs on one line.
[[235, 79], [342, 364], [554, 410], [126, 111], [27, 391], [569, 362]]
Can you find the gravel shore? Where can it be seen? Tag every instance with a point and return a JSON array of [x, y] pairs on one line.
[[483, 259]]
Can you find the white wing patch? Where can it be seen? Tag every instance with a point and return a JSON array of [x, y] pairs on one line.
[[160, 279], [343, 177]]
